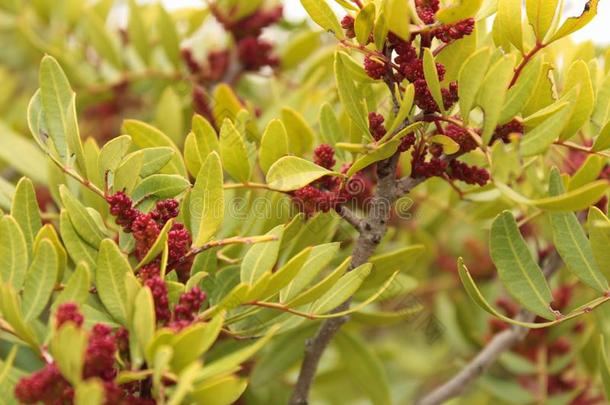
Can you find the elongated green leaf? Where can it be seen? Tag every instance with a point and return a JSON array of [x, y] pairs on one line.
[[261, 258], [323, 15], [287, 272], [573, 24], [25, 210], [578, 77], [147, 136], [200, 143], [300, 135], [158, 246], [364, 367], [224, 390], [291, 173], [170, 42], [574, 200], [81, 219], [431, 75], [540, 14], [539, 139], [233, 152], [604, 367], [144, 318], [186, 380], [398, 15], [602, 142], [49, 233], [112, 153], [471, 78], [110, 279], [571, 242], [349, 94], [319, 257], [168, 116], [383, 152], [99, 36], [77, 288], [13, 252], [459, 11], [40, 280], [492, 94], [160, 186], [519, 94], [155, 159], [126, 175], [55, 96], [10, 309], [207, 200], [347, 285], [588, 172], [507, 27], [274, 144], [517, 269], [598, 226], [320, 288], [68, 347], [78, 249], [406, 103], [136, 30], [363, 25], [193, 341], [22, 154]]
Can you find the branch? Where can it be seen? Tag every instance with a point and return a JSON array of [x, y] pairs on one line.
[[500, 343], [351, 217]]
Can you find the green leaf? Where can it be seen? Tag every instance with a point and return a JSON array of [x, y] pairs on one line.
[[517, 269], [261, 257], [406, 103], [320, 288], [578, 77], [40, 280], [519, 94], [55, 96], [471, 78], [330, 129], [350, 98], [604, 367], [101, 40], [507, 28], [138, 37], [231, 361], [573, 24], [493, 93], [77, 288], [449, 145], [206, 204], [81, 219], [68, 346], [168, 115], [199, 143], [431, 75], [110, 279], [170, 42], [25, 210], [323, 15], [397, 12], [22, 154], [588, 172], [383, 152], [319, 257], [574, 200], [602, 142], [49, 233], [160, 186], [147, 136], [224, 390], [380, 30], [598, 226], [459, 11], [158, 246], [571, 242], [126, 175], [538, 140], [155, 159], [285, 274], [78, 249], [540, 14], [185, 384], [274, 144], [143, 318], [291, 173], [13, 252], [112, 154], [363, 25], [347, 285], [90, 392], [364, 367], [11, 311], [300, 135], [194, 341], [233, 152]]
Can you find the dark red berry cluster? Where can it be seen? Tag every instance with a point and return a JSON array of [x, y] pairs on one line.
[[378, 131], [468, 174], [48, 385], [427, 9], [452, 32], [503, 132], [460, 136], [145, 228], [347, 23], [561, 380], [329, 192]]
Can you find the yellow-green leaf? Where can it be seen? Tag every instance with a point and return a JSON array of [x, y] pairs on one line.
[[112, 266], [323, 15], [40, 280], [233, 152], [291, 173], [206, 204], [573, 24], [274, 144]]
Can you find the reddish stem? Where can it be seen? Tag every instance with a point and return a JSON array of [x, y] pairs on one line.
[[528, 57]]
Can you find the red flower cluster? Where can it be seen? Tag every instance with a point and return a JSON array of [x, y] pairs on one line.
[[452, 32], [468, 174], [146, 227], [504, 131], [427, 9], [375, 67], [158, 289], [187, 309], [347, 23], [420, 167], [254, 53], [48, 385], [461, 136], [329, 192]]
